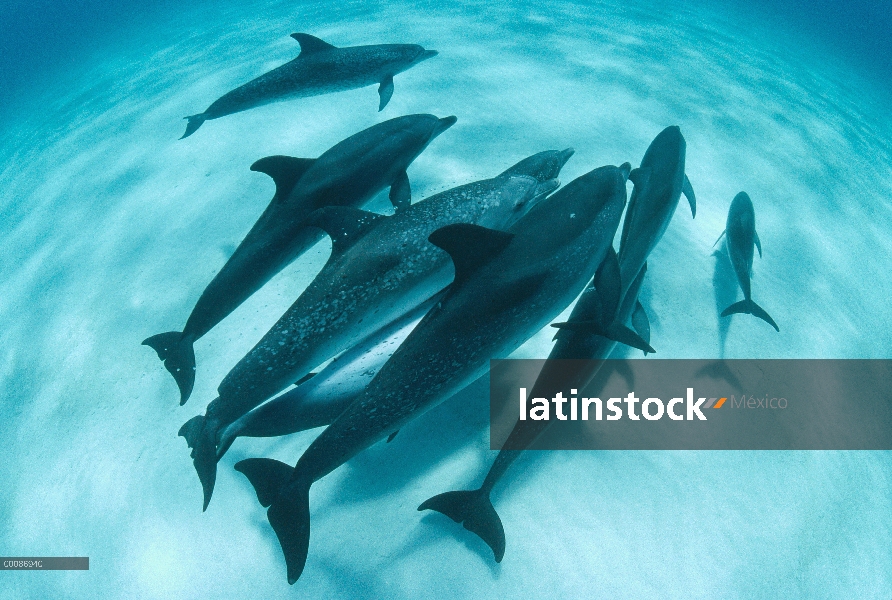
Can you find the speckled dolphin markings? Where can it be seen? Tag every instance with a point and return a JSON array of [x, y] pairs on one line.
[[320, 68], [379, 267], [349, 174], [321, 397], [507, 286]]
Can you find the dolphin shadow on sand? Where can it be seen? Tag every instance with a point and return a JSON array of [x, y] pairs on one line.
[[724, 283]]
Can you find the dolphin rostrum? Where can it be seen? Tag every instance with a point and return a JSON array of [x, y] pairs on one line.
[[322, 396], [320, 68], [348, 174], [507, 286], [596, 323], [379, 267], [740, 237]]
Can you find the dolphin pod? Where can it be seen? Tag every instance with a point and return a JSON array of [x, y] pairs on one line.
[[320, 68], [348, 174], [507, 286], [379, 266], [410, 308], [740, 238]]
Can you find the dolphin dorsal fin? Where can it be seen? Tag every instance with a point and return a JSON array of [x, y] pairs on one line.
[[285, 171], [310, 43], [343, 224], [607, 283], [470, 246]]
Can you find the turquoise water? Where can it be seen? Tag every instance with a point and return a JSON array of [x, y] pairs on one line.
[[110, 228]]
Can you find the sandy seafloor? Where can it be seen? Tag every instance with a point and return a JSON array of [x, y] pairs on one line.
[[111, 228]]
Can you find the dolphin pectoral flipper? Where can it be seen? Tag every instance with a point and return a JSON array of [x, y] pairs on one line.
[[385, 91], [178, 356], [758, 242], [640, 323], [343, 224], [194, 122], [285, 172], [720, 238], [750, 308], [688, 191], [614, 331], [608, 285], [268, 477], [470, 246], [401, 191], [310, 43], [392, 435], [475, 511]]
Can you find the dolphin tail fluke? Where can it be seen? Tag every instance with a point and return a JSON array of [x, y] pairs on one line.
[[201, 437], [176, 351], [194, 122], [288, 500], [268, 477], [290, 517], [475, 511], [750, 308]]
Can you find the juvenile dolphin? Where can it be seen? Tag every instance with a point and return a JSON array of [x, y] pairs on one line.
[[379, 267], [507, 286], [348, 174], [320, 399], [320, 68], [740, 237], [659, 183], [597, 321]]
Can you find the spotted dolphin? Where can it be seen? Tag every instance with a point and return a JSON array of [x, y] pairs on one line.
[[320, 68], [507, 286], [595, 325], [349, 174], [379, 267], [740, 237], [322, 396]]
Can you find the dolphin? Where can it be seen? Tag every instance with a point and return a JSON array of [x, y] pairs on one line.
[[507, 286], [740, 237], [322, 396], [596, 323], [320, 68], [349, 174], [659, 181], [379, 266]]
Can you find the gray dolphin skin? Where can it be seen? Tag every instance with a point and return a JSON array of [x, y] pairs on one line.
[[349, 174], [320, 399], [596, 323], [659, 182], [320, 68], [740, 238], [379, 266], [507, 286]]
